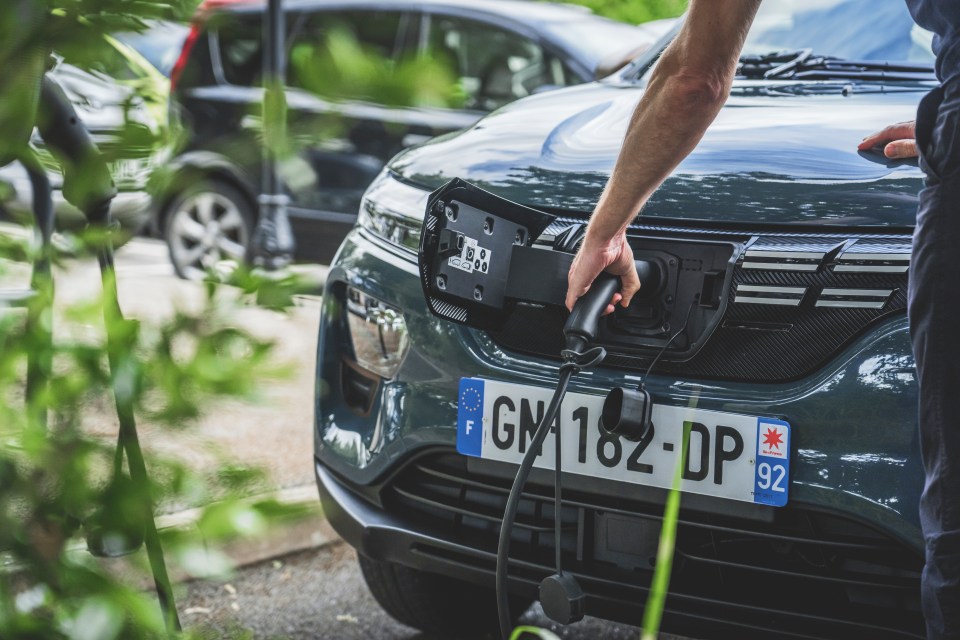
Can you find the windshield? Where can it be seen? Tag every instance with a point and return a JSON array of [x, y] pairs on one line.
[[869, 31], [851, 29]]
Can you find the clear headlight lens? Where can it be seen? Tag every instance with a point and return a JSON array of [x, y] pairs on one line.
[[393, 211], [378, 334]]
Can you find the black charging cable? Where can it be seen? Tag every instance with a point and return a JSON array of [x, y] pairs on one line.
[[560, 595], [686, 321]]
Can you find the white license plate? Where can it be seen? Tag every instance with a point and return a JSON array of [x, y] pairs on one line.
[[733, 456]]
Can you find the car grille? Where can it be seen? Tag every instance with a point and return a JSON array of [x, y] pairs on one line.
[[802, 298], [806, 574]]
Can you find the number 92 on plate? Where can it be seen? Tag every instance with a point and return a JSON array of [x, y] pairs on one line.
[[732, 456]]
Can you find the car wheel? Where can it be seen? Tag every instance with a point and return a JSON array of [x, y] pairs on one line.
[[436, 605], [207, 226]]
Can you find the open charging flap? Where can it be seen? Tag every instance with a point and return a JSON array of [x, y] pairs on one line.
[[477, 257]]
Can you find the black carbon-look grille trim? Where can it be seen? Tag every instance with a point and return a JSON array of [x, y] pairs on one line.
[[804, 337]]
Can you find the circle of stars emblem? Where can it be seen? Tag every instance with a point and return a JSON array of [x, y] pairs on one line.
[[470, 399]]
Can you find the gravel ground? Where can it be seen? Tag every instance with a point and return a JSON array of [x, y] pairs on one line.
[[321, 595], [273, 433]]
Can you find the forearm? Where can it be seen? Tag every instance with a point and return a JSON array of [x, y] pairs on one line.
[[684, 95], [667, 125]]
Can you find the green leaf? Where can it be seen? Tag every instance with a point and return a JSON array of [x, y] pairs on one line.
[[229, 519], [660, 585], [635, 11], [537, 632]]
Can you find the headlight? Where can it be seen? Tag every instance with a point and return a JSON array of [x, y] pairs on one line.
[[378, 334], [393, 211]]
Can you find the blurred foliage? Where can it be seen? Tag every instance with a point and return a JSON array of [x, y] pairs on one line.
[[109, 16], [635, 11], [660, 583], [57, 483], [77, 29], [340, 69], [61, 482]]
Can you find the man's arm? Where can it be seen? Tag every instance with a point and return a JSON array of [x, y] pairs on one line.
[[687, 89]]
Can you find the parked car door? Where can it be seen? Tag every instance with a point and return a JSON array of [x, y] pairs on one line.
[[494, 65], [354, 102]]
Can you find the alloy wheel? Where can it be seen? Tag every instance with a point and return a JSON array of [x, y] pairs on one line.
[[206, 230]]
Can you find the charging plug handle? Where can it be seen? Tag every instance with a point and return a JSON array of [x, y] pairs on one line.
[[583, 322]]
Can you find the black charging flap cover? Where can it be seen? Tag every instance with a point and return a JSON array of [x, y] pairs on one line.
[[466, 250]]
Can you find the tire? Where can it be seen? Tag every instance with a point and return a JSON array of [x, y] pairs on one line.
[[205, 225], [439, 606]]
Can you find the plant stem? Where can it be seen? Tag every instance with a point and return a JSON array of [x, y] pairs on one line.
[[660, 585]]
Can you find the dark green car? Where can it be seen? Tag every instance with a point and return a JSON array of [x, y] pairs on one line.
[[786, 255]]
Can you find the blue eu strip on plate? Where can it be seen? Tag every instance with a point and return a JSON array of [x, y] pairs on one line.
[[470, 417]]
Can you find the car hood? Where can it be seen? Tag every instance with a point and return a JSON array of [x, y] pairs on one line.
[[776, 155]]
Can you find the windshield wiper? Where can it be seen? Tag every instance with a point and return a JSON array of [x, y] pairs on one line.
[[776, 62], [802, 64]]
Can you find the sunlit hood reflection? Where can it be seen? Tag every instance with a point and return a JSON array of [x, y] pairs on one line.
[[783, 154]]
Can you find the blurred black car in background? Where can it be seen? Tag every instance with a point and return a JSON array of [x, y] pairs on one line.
[[367, 79]]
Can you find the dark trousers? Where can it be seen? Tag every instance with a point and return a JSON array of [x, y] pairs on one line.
[[934, 309]]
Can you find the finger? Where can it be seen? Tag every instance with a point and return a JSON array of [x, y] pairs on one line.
[[629, 285], [893, 132], [574, 294], [575, 284], [901, 149], [613, 304]]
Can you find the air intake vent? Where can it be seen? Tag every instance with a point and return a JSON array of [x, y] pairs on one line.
[[759, 294], [783, 260], [855, 298], [853, 262]]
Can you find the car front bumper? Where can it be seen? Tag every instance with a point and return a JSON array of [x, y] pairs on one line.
[[394, 487]]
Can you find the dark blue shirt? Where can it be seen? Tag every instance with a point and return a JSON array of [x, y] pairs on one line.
[[942, 17]]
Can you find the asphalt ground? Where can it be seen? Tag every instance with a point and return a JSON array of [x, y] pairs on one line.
[[320, 595]]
